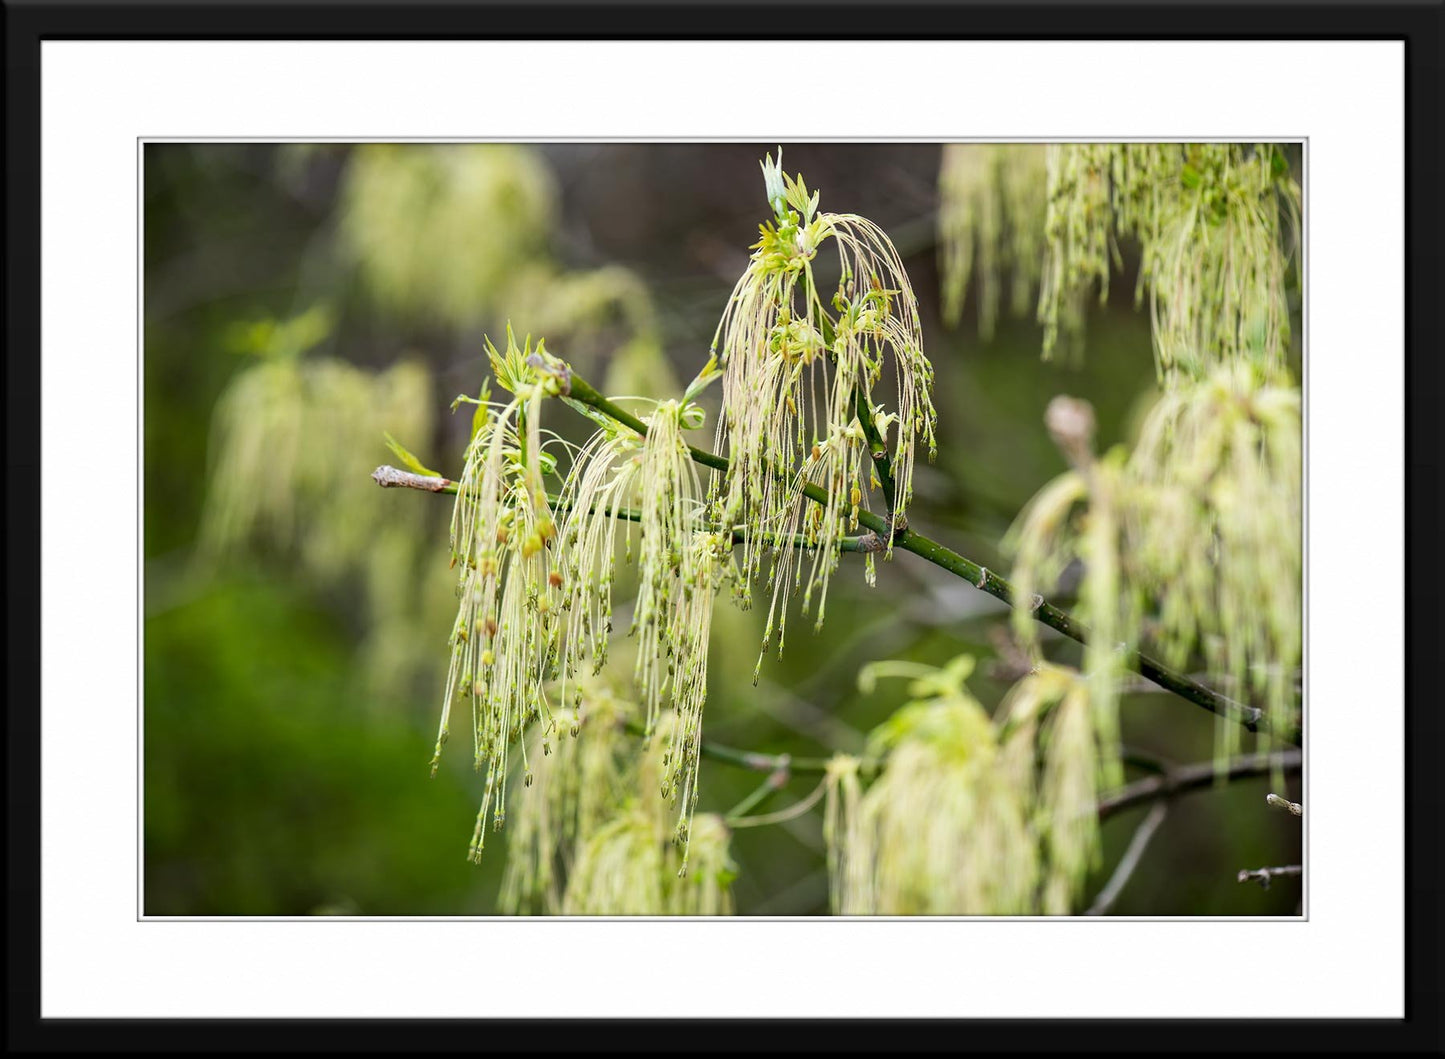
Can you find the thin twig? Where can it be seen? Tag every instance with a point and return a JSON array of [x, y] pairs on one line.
[[1293, 808], [748, 759], [774, 782], [1192, 777], [394, 478], [1129, 861], [1264, 875], [795, 810]]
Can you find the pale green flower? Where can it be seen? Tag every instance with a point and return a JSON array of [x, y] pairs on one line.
[[288, 434], [945, 828], [705, 888], [600, 489], [635, 864], [797, 375], [504, 637], [456, 232], [992, 201], [1217, 225], [438, 230], [1216, 533], [680, 567], [1080, 516], [619, 871], [968, 816], [583, 772], [850, 875], [1078, 225], [1048, 714], [1198, 530]]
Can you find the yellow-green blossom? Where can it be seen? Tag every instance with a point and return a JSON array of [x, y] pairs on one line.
[[797, 376], [1048, 716], [634, 863], [992, 200], [504, 638], [1215, 534], [438, 230], [619, 871], [582, 772], [1080, 516], [945, 828], [1197, 531], [1216, 224], [287, 434], [705, 888], [680, 566]]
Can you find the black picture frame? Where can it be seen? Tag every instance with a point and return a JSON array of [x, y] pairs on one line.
[[1419, 25]]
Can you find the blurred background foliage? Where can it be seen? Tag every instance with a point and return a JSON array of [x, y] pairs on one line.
[[302, 300]]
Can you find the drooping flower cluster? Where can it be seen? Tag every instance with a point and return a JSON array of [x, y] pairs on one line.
[[680, 565], [503, 642], [535, 620], [632, 865], [945, 828], [1216, 534], [453, 233], [991, 203], [967, 816], [1216, 223], [800, 417], [799, 375], [437, 230], [1194, 536], [282, 481], [581, 777], [1049, 715], [1050, 534]]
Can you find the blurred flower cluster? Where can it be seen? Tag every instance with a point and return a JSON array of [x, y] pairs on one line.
[[968, 815], [286, 435], [991, 213], [593, 835], [1216, 225], [1191, 544], [463, 234]]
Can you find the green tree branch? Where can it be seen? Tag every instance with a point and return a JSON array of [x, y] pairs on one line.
[[1251, 717]]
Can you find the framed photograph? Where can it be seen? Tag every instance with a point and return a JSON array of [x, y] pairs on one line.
[[513, 527]]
